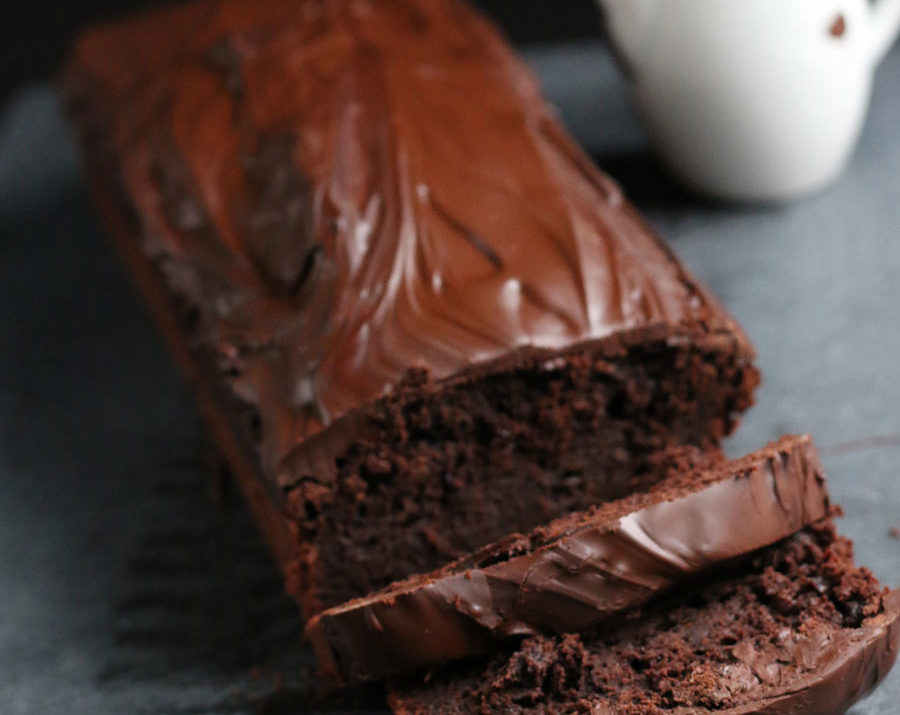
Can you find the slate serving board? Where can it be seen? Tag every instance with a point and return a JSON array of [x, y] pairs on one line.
[[128, 585]]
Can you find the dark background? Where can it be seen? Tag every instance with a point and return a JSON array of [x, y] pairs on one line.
[[35, 35]]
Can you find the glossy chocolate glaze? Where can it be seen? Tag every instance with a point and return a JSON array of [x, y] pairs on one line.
[[341, 191], [578, 570]]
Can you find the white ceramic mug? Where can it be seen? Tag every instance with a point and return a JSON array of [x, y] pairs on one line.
[[753, 100]]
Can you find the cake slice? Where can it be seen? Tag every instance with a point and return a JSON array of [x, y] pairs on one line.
[[570, 574], [415, 316], [799, 630]]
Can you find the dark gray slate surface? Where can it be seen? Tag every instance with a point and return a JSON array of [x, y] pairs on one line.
[[123, 589]]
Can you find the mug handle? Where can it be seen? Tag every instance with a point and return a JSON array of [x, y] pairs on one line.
[[885, 22]]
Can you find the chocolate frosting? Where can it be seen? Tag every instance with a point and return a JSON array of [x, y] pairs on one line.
[[578, 570], [343, 190]]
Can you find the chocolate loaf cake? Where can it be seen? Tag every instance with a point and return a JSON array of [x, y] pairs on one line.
[[580, 569], [798, 631], [415, 316]]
